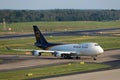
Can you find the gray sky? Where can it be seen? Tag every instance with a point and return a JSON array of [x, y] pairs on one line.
[[59, 4]]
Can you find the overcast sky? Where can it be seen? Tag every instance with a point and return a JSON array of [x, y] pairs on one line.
[[59, 4]]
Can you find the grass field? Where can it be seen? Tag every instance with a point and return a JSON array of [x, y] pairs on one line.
[[26, 27], [28, 43], [1, 60], [50, 71]]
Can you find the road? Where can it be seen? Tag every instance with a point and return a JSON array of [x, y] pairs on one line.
[[66, 33]]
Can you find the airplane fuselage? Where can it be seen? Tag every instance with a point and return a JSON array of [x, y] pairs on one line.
[[83, 49]]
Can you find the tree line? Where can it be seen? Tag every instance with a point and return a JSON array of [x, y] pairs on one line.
[[58, 15]]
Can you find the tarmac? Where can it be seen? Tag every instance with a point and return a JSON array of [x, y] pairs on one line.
[[100, 75], [21, 62], [26, 61], [94, 32]]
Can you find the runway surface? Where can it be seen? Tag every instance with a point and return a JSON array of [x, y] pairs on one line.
[[14, 62], [66, 33]]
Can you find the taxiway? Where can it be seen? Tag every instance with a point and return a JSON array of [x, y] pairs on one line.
[[14, 62]]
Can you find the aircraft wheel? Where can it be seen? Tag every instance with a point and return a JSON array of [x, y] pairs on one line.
[[77, 57], [67, 56], [94, 59]]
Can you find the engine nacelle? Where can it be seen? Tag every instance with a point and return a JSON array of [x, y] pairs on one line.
[[36, 53], [57, 54]]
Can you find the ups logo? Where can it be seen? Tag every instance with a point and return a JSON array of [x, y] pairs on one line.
[[37, 34]]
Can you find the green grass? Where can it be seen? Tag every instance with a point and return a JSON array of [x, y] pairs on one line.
[[26, 27], [1, 60], [28, 43], [21, 43], [50, 71]]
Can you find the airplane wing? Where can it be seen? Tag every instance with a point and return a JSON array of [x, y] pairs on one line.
[[42, 51], [63, 54], [19, 49], [38, 52]]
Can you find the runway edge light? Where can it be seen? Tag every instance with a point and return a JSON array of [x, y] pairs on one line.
[[29, 74], [82, 62], [69, 64]]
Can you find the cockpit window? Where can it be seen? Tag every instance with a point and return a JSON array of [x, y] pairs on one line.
[[96, 45]]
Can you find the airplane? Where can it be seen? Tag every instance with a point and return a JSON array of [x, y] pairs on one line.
[[63, 50]]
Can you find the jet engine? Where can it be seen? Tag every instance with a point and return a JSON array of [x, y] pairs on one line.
[[36, 53], [57, 54]]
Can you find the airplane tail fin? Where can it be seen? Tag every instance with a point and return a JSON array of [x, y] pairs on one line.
[[40, 40]]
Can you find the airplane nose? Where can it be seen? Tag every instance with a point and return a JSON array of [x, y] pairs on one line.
[[100, 50]]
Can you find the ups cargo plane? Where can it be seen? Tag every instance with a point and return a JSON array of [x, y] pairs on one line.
[[66, 51]]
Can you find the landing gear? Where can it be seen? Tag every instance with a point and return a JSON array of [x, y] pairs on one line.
[[94, 58], [66, 56], [77, 57]]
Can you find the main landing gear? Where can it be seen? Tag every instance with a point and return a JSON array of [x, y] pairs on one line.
[[94, 58], [66, 56], [77, 57]]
